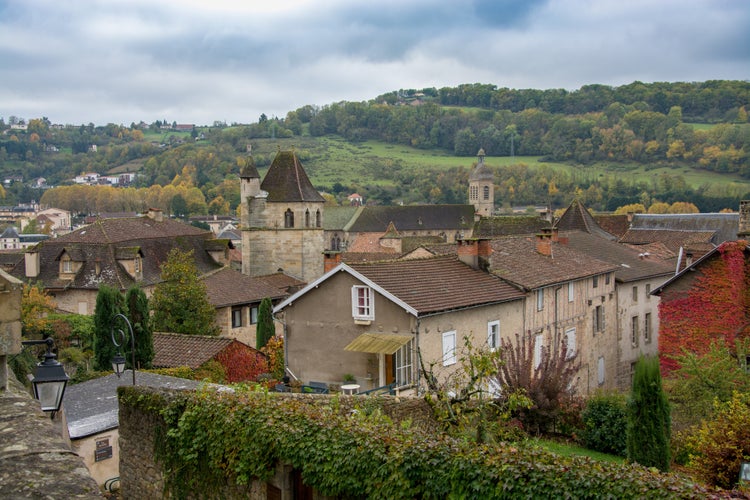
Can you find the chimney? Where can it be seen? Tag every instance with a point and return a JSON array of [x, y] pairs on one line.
[[630, 217], [156, 214], [544, 242], [98, 267], [31, 259], [331, 259], [474, 252], [744, 229]]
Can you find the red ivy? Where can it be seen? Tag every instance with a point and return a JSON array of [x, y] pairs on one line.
[[242, 363], [714, 308]]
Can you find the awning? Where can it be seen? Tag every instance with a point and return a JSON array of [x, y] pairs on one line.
[[379, 343]]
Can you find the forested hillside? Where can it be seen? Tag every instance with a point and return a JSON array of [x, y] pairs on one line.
[[637, 143]]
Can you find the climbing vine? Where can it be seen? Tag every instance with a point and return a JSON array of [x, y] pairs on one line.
[[242, 364], [714, 308]]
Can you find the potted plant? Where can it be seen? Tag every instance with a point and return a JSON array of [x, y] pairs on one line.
[[349, 379]]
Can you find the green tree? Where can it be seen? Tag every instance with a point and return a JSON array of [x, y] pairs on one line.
[[649, 423], [137, 304], [179, 303], [265, 329], [109, 302]]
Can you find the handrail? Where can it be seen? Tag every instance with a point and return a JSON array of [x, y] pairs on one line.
[[390, 388]]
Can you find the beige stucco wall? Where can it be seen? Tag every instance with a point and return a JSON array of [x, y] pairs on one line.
[[104, 469]]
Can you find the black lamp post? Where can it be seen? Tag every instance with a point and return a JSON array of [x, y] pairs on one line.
[[118, 361], [49, 379]]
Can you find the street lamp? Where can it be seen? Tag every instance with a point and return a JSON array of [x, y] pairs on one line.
[[118, 361], [49, 379]]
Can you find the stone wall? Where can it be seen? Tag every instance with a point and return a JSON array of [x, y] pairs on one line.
[[141, 477]]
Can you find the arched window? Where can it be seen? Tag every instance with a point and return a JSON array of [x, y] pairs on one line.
[[317, 218], [288, 218], [307, 218], [486, 192], [338, 243]]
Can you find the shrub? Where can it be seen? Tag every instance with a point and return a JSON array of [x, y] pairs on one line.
[[722, 443], [605, 424], [649, 421]]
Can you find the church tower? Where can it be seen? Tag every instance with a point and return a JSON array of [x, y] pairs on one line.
[[282, 220], [482, 188]]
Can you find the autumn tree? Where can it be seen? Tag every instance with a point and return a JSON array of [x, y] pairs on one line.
[[36, 305], [179, 303], [265, 328], [109, 303], [634, 208], [138, 315]]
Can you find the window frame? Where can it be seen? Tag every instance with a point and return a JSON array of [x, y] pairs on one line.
[[598, 319], [403, 365], [493, 337], [635, 293], [647, 328], [570, 333], [634, 330], [540, 299], [449, 348], [67, 266], [254, 315], [363, 312], [571, 291], [595, 281], [236, 314]]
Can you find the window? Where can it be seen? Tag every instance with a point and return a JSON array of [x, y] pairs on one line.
[[595, 281], [403, 365], [598, 319], [600, 370], [362, 303], [318, 222], [253, 315], [540, 299], [538, 349], [647, 328], [570, 343], [307, 218], [474, 192], [236, 317], [571, 292], [137, 264], [67, 266], [635, 294], [486, 192], [449, 348], [606, 279], [493, 335], [288, 218], [634, 331], [648, 291]]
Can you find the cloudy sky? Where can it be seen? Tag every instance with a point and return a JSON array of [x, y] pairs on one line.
[[197, 61]]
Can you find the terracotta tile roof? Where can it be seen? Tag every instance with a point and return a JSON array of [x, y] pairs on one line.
[[509, 225], [631, 264], [438, 284], [352, 257], [174, 349], [515, 259], [578, 217], [286, 180], [616, 225], [414, 218], [283, 282], [672, 239], [368, 243], [129, 228], [227, 287], [409, 243]]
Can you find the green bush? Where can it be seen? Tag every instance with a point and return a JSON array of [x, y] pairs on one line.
[[722, 443], [605, 424], [649, 423]]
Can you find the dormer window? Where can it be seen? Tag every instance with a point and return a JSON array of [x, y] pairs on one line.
[[67, 266]]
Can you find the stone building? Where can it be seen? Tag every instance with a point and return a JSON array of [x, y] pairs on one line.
[[482, 188], [282, 220]]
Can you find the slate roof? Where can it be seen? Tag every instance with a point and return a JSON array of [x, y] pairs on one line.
[[337, 218], [438, 284], [725, 225], [616, 225], [228, 287], [481, 172], [286, 180], [10, 232], [105, 239], [508, 225], [516, 260], [413, 218], [631, 264], [10, 258], [91, 407], [698, 242], [577, 217], [248, 170], [173, 349]]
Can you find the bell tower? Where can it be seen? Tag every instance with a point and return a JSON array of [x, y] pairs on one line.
[[482, 188]]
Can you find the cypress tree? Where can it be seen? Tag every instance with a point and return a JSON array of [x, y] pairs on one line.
[[649, 420], [109, 302], [137, 304], [265, 328]]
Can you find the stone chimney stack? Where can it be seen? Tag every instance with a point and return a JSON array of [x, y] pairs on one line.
[[744, 229], [156, 214], [474, 252], [31, 260], [331, 259], [544, 242]]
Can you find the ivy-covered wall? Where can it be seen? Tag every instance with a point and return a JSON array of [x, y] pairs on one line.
[[211, 444]]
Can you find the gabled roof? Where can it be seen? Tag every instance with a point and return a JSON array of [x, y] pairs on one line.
[[424, 287], [516, 260], [174, 349], [228, 287], [10, 232], [725, 225], [413, 218], [616, 225], [91, 407], [337, 218], [286, 180], [509, 225], [697, 242], [631, 264], [577, 217]]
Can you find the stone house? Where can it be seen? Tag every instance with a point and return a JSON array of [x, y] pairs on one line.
[[118, 253], [381, 321]]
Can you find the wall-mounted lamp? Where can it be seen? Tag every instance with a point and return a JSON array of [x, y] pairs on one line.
[[49, 379], [118, 361]]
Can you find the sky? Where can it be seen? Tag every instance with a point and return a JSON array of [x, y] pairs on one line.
[[200, 61]]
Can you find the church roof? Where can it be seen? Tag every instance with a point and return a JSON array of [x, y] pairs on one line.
[[577, 217], [414, 218], [481, 172], [286, 180], [507, 225], [248, 171]]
